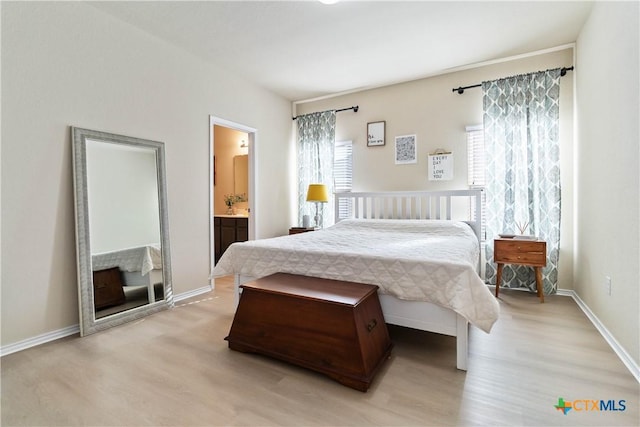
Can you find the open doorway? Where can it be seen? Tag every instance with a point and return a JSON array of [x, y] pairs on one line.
[[232, 195]]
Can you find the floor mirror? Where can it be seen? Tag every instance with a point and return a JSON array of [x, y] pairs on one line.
[[122, 235]]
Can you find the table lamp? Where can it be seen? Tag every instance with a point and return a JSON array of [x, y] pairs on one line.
[[317, 193]]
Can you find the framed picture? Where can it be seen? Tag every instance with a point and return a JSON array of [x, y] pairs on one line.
[[375, 134], [406, 150]]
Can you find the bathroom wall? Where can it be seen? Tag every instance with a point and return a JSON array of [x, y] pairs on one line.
[[227, 145]]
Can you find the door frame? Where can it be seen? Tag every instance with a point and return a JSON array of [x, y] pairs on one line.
[[253, 138]]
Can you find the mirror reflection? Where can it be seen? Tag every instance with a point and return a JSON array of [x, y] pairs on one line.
[[124, 224], [121, 228]]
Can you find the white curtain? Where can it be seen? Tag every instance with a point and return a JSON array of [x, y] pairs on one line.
[[521, 122], [316, 143]]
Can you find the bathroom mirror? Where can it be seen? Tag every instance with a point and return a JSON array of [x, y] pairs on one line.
[[241, 174], [122, 236]]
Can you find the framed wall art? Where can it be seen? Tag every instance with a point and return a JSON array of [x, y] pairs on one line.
[[375, 134], [406, 150]]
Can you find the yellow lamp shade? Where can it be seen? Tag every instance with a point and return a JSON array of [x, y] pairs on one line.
[[317, 193]]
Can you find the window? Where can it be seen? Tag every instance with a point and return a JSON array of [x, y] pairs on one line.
[[476, 162], [342, 174], [475, 149]]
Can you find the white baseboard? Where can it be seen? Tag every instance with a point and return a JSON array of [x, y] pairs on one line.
[[193, 293], [625, 357], [40, 339], [74, 329]]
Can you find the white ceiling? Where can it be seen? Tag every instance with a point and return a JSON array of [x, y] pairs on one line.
[[305, 49]]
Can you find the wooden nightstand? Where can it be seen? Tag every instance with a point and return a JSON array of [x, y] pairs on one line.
[[522, 252], [296, 230]]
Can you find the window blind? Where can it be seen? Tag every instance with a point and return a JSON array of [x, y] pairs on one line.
[[475, 149], [476, 165], [343, 174]]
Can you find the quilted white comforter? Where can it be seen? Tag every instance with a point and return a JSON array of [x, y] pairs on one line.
[[421, 260], [142, 259]]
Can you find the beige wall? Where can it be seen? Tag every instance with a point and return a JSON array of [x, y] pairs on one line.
[[429, 109], [69, 64], [608, 236]]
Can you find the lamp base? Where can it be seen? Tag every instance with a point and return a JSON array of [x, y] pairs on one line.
[[317, 218]]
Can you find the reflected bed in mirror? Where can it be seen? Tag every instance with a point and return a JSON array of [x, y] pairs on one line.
[[122, 233]]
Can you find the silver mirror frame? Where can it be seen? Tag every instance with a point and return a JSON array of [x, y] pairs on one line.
[[88, 322]]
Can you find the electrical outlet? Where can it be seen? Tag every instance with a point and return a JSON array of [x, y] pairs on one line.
[[607, 283]]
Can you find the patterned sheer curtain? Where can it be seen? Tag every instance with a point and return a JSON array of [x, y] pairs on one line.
[[316, 143], [521, 121]]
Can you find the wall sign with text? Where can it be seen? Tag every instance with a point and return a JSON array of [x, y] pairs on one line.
[[375, 134], [440, 166]]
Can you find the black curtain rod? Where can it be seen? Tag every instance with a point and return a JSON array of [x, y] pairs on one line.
[[354, 108], [460, 90]]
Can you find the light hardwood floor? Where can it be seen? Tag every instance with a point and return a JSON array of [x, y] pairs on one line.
[[174, 368]]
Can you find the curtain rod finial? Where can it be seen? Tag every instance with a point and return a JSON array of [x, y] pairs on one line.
[[563, 70]]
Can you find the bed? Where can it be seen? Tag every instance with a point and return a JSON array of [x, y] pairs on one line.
[[140, 266], [413, 245]]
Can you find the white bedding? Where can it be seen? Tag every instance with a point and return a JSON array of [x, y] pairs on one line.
[[420, 260], [142, 259]]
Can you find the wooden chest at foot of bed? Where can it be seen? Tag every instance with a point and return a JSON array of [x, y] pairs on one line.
[[330, 326]]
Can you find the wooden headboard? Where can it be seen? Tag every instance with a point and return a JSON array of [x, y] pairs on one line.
[[415, 205]]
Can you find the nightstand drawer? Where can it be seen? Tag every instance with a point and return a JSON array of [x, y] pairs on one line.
[[520, 252], [532, 258]]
